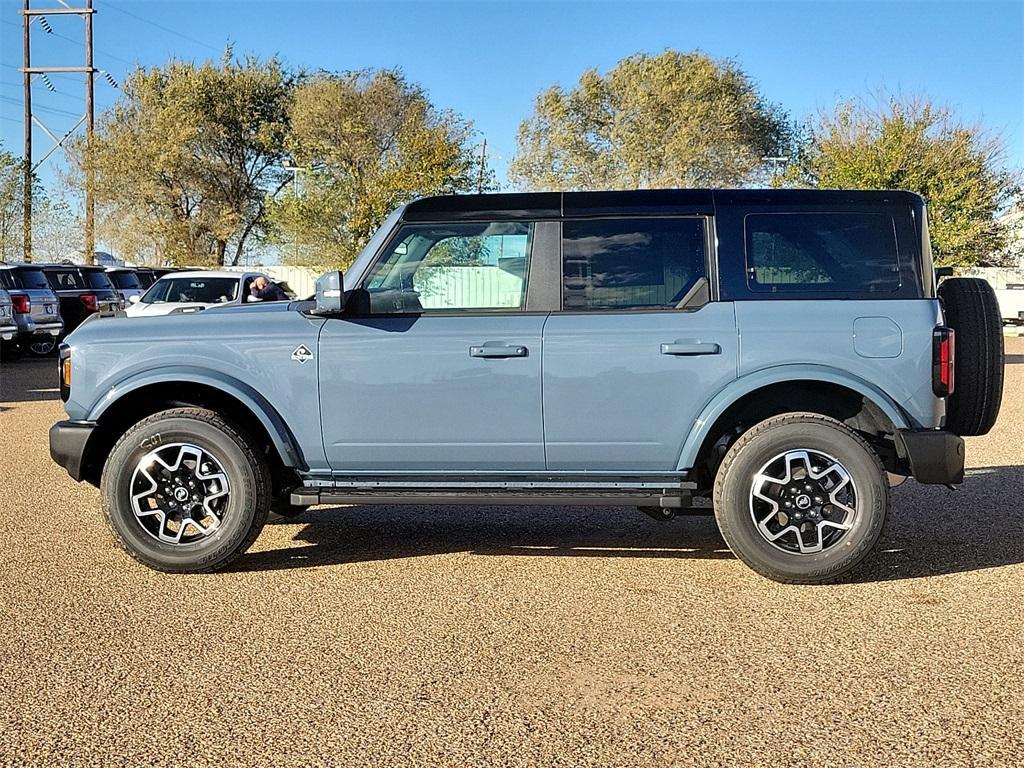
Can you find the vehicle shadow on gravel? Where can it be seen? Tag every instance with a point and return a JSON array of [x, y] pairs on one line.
[[935, 531], [366, 533], [931, 531]]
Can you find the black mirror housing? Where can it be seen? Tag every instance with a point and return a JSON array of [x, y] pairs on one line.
[[330, 294]]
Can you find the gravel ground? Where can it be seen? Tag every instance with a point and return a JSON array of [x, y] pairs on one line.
[[433, 636]]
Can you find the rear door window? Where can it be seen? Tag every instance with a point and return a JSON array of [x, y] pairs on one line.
[[824, 252], [638, 263]]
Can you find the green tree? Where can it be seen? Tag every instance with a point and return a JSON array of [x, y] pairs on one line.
[[191, 153], [671, 120], [364, 143], [916, 145], [12, 182]]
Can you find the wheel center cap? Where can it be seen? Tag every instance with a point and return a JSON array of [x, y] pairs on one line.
[[803, 501], [180, 493]]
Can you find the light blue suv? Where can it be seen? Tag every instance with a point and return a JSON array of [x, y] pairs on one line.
[[782, 352]]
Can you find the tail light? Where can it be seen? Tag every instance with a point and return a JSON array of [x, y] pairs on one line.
[[22, 304], [89, 302], [943, 358]]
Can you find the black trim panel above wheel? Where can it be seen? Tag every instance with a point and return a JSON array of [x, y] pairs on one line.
[[67, 444]]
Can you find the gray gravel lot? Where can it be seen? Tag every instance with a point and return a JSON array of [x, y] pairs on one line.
[[536, 636]]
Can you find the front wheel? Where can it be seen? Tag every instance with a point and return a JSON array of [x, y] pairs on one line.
[[801, 498], [185, 491]]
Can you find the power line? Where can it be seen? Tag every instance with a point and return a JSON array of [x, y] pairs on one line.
[[51, 110], [76, 42], [144, 20]]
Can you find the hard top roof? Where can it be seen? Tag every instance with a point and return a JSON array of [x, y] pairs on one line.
[[521, 205]]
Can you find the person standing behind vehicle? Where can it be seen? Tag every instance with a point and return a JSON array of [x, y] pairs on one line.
[[263, 289]]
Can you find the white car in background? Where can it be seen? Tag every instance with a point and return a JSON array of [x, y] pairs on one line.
[[185, 292]]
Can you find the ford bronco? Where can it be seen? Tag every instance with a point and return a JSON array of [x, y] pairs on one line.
[[787, 354]]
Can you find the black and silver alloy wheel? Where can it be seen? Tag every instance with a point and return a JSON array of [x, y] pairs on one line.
[[801, 498], [803, 501], [179, 493], [185, 490]]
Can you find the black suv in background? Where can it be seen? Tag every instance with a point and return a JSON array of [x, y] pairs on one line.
[[82, 290]]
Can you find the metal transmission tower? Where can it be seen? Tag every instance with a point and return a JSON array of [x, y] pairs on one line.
[[29, 17]]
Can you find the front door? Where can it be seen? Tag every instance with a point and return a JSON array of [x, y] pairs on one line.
[[637, 350], [440, 369]]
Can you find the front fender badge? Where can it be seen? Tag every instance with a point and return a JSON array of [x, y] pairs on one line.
[[302, 354]]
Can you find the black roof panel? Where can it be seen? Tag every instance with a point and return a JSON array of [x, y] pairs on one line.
[[547, 205]]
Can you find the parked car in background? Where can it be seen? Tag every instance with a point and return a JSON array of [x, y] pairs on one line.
[[185, 292], [126, 283], [8, 330], [35, 307], [146, 277], [82, 290], [1011, 303]]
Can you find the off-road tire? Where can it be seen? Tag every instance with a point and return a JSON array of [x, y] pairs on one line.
[[794, 431], [972, 310], [243, 463]]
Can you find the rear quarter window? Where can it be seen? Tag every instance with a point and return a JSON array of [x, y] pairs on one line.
[[840, 252]]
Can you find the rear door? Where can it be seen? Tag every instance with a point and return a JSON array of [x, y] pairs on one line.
[[637, 349], [436, 366]]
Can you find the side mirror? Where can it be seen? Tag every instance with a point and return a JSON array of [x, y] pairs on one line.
[[330, 294], [134, 299]]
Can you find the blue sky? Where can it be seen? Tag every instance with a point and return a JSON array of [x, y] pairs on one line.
[[488, 60]]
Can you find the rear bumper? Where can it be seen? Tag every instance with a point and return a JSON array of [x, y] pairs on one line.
[[29, 327], [933, 456], [68, 440]]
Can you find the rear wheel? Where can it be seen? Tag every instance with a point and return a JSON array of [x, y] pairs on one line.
[[801, 498], [42, 347], [972, 310], [185, 491]]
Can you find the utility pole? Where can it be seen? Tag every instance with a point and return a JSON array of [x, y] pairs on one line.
[[29, 15], [90, 115], [26, 228], [483, 162]]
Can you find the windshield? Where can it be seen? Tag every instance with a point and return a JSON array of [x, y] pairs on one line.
[[199, 290], [366, 255], [126, 280]]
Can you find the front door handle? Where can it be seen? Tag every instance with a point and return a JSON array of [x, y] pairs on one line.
[[689, 347], [498, 350]]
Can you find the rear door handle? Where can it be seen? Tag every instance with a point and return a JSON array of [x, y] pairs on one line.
[[689, 347], [498, 350]]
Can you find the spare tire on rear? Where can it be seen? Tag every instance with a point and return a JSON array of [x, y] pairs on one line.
[[972, 311]]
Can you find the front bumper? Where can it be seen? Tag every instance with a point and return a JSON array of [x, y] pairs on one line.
[[933, 456], [68, 440], [8, 332]]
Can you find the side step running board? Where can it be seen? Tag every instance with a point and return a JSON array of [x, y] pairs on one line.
[[310, 496]]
